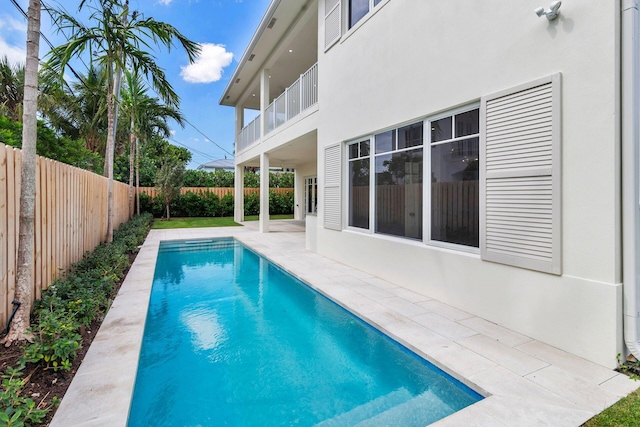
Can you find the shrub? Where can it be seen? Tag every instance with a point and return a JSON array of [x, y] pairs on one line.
[[17, 409], [252, 204], [76, 299], [226, 205], [56, 340], [280, 203], [212, 206]]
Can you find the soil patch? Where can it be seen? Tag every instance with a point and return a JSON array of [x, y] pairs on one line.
[[45, 384]]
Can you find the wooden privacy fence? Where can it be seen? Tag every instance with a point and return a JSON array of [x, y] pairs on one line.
[[454, 207], [219, 191], [70, 219]]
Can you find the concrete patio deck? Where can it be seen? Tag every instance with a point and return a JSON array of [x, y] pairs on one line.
[[527, 383]]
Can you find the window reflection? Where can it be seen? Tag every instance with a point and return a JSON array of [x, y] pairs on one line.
[[399, 194], [454, 192], [357, 10], [359, 193]]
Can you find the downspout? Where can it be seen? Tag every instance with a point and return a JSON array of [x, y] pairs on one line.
[[630, 132]]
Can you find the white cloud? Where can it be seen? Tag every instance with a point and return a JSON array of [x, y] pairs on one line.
[[14, 53], [165, 2], [12, 24], [207, 68], [172, 132]]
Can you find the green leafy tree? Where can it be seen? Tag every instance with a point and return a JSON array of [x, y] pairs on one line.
[[251, 180], [147, 117], [52, 146], [201, 178], [169, 180], [11, 89], [113, 38]]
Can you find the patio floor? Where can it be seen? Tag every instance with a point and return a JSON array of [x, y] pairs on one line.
[[527, 383]]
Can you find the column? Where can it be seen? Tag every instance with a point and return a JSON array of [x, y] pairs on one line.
[[264, 193], [239, 125], [264, 101], [238, 195]]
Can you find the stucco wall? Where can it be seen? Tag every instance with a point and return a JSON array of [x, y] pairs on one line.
[[412, 59]]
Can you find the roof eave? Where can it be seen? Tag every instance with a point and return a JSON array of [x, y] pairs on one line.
[[250, 48]]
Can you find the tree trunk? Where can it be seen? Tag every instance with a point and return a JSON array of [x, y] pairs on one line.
[[108, 158], [138, 175], [24, 285], [168, 216], [112, 115], [132, 142]]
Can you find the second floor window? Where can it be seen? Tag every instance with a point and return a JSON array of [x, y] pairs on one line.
[[359, 8]]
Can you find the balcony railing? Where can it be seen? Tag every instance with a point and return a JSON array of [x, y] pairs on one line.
[[302, 94], [249, 134]]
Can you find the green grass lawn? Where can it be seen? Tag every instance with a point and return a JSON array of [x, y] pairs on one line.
[[256, 217], [227, 221], [625, 413], [161, 224]]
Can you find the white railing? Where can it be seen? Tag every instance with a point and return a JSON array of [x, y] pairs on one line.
[[249, 134], [302, 94]]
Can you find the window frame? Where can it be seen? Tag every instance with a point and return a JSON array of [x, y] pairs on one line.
[[313, 197], [347, 187], [426, 188], [374, 6]]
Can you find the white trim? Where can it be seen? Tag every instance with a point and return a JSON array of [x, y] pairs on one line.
[[346, 31], [426, 235]]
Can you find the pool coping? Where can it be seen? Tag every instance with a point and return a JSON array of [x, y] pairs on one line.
[[526, 382]]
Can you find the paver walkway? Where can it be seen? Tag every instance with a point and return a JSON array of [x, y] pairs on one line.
[[528, 383]]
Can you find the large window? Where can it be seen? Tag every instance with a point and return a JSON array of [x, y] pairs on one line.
[[390, 201], [359, 166], [398, 169], [455, 179]]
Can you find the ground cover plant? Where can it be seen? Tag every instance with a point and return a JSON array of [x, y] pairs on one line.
[[65, 320]]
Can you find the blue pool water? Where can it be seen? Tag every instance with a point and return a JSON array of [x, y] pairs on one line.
[[233, 340]]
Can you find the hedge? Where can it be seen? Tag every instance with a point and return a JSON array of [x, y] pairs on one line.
[[210, 205]]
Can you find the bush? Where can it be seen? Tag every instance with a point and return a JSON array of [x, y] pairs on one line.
[[252, 204], [17, 409], [280, 203], [207, 204], [83, 294], [56, 339]]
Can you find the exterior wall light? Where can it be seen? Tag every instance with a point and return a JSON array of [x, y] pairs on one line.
[[552, 13]]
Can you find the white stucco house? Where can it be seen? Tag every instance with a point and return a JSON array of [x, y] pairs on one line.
[[471, 150]]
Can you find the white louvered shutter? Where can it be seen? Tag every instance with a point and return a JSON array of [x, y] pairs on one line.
[[332, 202], [521, 187], [332, 22]]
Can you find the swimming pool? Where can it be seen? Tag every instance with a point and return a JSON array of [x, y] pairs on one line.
[[231, 339]]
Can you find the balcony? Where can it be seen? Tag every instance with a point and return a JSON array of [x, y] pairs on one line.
[[297, 98]]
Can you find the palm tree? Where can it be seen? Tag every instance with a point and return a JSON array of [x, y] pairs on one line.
[[11, 89], [147, 117], [117, 38], [24, 273]]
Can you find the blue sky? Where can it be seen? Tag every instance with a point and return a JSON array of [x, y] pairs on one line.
[[223, 27]]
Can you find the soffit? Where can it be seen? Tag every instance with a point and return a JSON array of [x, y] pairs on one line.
[[265, 42]]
